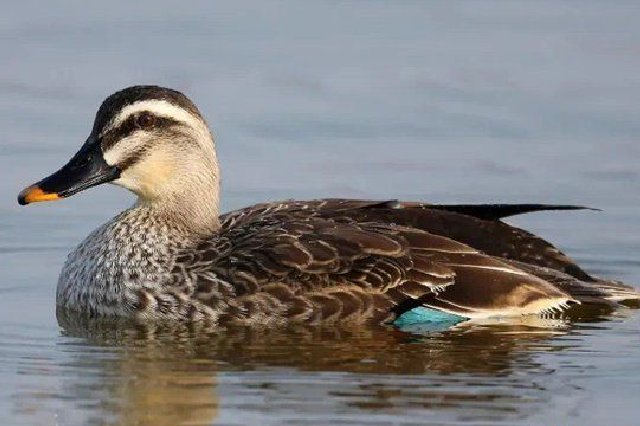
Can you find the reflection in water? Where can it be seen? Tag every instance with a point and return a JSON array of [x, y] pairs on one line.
[[170, 374], [155, 391], [147, 379]]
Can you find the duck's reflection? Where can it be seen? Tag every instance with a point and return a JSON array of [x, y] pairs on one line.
[[165, 374]]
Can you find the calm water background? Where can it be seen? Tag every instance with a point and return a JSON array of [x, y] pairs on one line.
[[444, 101]]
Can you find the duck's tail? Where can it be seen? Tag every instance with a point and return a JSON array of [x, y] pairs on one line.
[[612, 291], [500, 211], [593, 291]]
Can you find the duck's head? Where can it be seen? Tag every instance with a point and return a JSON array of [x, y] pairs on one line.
[[148, 139]]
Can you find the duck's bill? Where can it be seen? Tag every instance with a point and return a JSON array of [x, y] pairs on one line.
[[86, 169]]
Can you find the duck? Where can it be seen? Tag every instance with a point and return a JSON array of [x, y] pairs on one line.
[[173, 255]]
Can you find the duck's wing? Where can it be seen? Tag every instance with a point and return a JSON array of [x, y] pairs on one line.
[[308, 265], [490, 236], [478, 226]]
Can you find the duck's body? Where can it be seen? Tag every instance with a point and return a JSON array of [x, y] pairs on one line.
[[171, 256], [318, 261]]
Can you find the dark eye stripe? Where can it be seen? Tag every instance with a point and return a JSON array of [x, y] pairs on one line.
[[128, 126], [132, 158]]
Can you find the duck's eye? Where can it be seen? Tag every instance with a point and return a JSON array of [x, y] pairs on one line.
[[145, 120]]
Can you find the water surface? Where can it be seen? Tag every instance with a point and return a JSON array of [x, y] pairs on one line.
[[447, 102]]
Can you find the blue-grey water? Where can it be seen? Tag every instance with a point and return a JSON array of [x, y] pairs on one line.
[[479, 101]]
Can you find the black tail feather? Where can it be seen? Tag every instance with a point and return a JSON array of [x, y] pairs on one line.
[[499, 211]]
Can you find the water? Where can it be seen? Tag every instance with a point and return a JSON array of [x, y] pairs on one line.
[[452, 102]]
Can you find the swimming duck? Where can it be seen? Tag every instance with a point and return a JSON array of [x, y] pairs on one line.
[[173, 256]]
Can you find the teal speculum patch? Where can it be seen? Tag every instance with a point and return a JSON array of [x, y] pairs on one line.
[[426, 319]]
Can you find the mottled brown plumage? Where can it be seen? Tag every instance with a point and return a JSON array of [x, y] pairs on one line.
[[355, 260]]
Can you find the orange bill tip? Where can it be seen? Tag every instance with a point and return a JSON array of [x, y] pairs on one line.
[[34, 194]]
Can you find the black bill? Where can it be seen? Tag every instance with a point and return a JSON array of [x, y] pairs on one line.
[[86, 169]]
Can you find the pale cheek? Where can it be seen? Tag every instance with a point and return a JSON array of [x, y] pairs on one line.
[[126, 181], [149, 180]]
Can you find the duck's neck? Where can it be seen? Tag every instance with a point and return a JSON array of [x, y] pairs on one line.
[[191, 203], [192, 213]]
